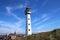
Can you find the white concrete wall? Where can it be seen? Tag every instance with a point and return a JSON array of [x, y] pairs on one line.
[[28, 19]]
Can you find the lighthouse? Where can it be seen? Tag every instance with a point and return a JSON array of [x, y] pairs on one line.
[[28, 21]]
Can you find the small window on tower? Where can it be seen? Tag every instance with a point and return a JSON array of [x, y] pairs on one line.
[[29, 29], [28, 24], [28, 18]]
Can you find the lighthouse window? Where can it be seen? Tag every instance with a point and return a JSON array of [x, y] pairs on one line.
[[28, 24], [29, 29], [28, 18]]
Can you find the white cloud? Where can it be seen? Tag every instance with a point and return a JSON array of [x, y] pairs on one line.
[[16, 16], [39, 27], [43, 18], [39, 31], [7, 31], [9, 27], [34, 21], [51, 25], [9, 11], [19, 23], [20, 6]]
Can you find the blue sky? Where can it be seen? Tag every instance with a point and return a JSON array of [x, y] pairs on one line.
[[45, 15]]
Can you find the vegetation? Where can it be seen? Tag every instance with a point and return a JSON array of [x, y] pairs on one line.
[[52, 35]]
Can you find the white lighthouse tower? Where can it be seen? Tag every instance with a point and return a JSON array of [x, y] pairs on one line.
[[28, 21]]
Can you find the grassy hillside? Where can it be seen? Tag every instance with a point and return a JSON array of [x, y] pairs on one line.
[[52, 35]]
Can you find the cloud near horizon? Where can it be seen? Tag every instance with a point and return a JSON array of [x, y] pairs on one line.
[[11, 27]]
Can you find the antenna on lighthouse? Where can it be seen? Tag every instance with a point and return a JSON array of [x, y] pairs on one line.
[[28, 19]]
